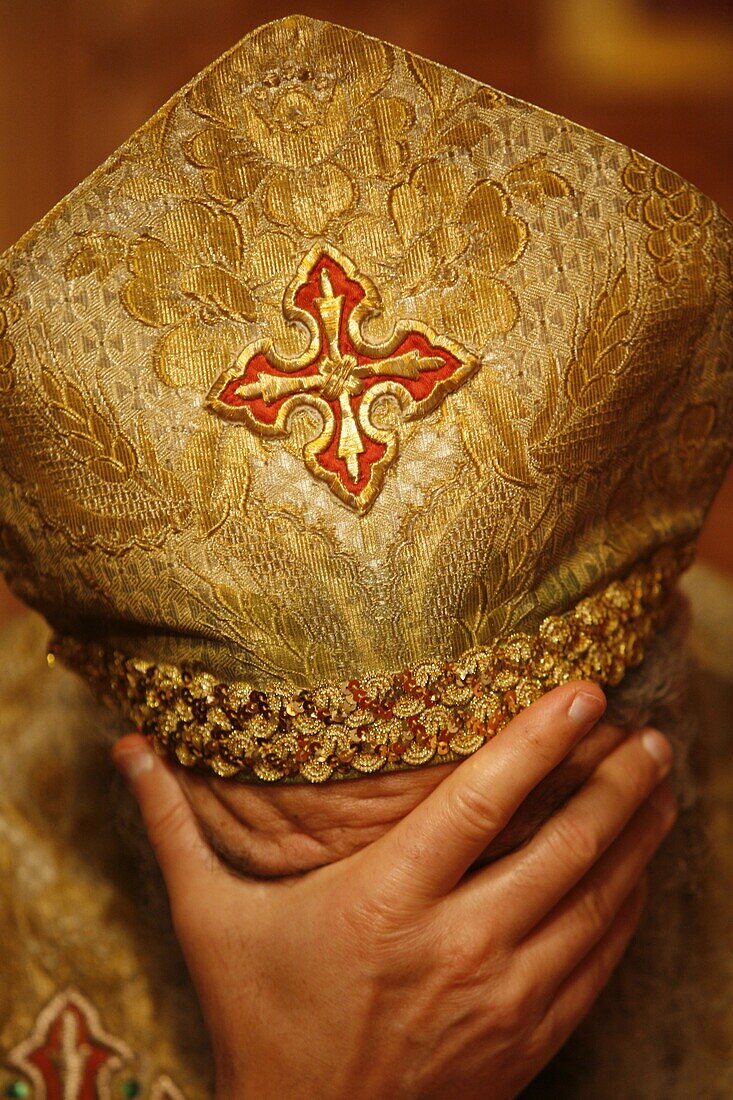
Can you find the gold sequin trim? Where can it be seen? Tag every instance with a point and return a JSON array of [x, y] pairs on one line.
[[433, 713]]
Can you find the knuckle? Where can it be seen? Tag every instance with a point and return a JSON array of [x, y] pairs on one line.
[[527, 877], [387, 946], [463, 963], [518, 1009], [378, 916], [368, 914], [595, 908], [471, 812], [509, 1015], [535, 743], [167, 824], [577, 841]]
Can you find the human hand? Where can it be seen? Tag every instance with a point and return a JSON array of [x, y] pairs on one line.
[[399, 971]]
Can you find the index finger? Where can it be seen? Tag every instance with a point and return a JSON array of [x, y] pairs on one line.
[[170, 823], [429, 850]]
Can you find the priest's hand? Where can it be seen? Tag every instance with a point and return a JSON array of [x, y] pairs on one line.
[[412, 968]]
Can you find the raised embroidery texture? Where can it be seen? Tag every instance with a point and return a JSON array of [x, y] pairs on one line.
[[593, 286], [69, 1056], [7, 312], [297, 115], [342, 377], [438, 711], [674, 212]]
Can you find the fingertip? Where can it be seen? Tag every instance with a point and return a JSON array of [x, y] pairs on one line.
[[659, 748], [129, 742], [586, 704], [594, 688], [169, 820], [575, 706], [132, 755], [560, 698]]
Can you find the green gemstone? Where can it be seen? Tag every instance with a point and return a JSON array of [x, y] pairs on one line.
[[18, 1088], [131, 1088]]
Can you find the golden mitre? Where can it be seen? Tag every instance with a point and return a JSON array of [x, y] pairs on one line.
[[352, 404]]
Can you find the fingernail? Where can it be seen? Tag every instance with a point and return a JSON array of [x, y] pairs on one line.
[[134, 764], [659, 748], [585, 708]]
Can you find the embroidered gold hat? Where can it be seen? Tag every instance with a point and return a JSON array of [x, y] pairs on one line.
[[351, 404]]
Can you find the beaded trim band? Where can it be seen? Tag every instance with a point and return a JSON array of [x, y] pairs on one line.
[[433, 713]]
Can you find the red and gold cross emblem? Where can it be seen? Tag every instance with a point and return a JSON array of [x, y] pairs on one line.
[[69, 1054], [342, 377]]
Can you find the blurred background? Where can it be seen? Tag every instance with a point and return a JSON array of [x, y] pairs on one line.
[[78, 76]]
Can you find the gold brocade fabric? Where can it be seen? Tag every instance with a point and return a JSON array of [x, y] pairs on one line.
[[94, 999], [345, 363], [382, 723]]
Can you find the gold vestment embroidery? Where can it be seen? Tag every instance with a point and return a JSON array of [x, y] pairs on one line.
[[438, 711], [354, 361], [342, 377]]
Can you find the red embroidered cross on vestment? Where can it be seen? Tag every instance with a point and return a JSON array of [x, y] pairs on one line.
[[341, 376]]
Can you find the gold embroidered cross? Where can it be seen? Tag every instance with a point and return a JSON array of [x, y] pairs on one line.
[[68, 1052], [341, 376]]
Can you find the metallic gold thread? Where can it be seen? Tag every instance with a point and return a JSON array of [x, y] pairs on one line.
[[435, 712]]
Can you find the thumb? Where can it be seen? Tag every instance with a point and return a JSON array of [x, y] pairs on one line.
[[169, 820]]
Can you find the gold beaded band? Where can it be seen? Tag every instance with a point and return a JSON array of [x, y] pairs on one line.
[[433, 713]]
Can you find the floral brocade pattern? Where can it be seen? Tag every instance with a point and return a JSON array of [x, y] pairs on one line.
[[417, 716], [7, 314], [676, 215], [208, 460]]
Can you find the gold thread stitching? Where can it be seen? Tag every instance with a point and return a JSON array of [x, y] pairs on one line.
[[436, 712], [356, 405]]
